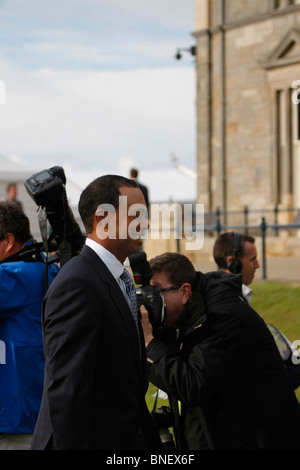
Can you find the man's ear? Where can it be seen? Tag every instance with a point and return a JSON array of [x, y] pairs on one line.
[[9, 241], [228, 261], [186, 292], [105, 224], [100, 218], [100, 214]]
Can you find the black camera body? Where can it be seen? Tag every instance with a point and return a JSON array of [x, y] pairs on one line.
[[163, 417], [46, 186], [147, 295], [47, 189], [151, 297], [163, 420]]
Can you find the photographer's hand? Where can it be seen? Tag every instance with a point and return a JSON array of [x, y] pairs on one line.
[[147, 327]]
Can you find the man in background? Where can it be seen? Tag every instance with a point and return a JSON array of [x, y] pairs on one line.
[[236, 253], [134, 175], [12, 194]]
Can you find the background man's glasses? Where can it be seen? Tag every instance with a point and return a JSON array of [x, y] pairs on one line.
[[170, 288]]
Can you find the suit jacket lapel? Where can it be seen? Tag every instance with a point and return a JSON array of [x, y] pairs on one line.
[[121, 305]]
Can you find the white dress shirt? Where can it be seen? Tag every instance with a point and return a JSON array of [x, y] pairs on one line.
[[112, 263], [247, 293]]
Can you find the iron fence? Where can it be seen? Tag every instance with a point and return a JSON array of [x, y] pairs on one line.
[[262, 228], [216, 220]]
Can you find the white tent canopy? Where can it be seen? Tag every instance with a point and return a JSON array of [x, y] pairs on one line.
[[176, 185]]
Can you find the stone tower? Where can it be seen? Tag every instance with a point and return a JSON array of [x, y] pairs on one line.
[[248, 94]]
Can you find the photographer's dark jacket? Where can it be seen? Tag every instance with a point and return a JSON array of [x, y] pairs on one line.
[[227, 372]]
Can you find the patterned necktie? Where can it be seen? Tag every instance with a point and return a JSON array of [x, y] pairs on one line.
[[130, 289]]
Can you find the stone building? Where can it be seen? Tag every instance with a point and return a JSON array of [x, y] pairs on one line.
[[248, 112]]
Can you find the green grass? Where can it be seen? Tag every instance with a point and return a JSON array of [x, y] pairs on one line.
[[277, 303], [150, 398]]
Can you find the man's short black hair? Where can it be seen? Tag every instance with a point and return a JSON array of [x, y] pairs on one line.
[[103, 190]]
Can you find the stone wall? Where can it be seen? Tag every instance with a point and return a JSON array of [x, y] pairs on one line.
[[282, 246], [252, 32]]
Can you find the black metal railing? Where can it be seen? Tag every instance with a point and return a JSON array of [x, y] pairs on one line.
[[221, 217]]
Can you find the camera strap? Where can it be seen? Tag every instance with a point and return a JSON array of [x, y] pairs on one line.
[[175, 413], [29, 253], [65, 249], [42, 218]]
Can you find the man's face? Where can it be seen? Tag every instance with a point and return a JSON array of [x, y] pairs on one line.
[[250, 263], [12, 193], [174, 299], [126, 226]]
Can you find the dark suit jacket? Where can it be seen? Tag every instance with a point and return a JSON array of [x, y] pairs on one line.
[[95, 381]]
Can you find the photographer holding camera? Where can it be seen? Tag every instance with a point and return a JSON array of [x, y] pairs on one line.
[[222, 363], [21, 294]]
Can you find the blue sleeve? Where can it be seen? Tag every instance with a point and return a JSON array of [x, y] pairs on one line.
[[21, 283], [12, 293]]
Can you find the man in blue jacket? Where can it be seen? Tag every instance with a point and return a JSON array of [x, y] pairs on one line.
[[21, 352]]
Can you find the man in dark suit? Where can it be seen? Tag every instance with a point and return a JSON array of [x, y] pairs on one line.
[[95, 362]]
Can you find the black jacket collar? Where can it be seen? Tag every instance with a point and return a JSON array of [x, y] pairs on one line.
[[208, 289]]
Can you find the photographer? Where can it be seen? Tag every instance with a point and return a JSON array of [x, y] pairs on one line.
[[21, 294], [224, 365]]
